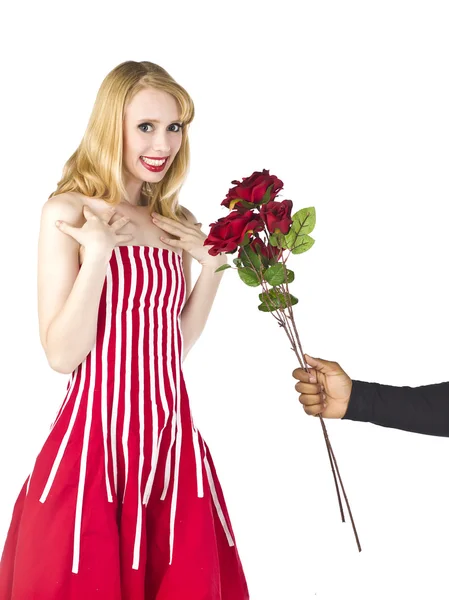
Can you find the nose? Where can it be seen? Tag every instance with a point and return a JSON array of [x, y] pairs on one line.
[[160, 141]]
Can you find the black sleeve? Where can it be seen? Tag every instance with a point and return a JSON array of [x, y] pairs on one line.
[[423, 409]]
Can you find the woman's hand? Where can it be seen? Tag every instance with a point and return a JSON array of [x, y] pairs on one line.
[[96, 234], [191, 239], [326, 389]]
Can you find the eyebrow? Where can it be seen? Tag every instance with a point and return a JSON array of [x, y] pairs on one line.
[[156, 120]]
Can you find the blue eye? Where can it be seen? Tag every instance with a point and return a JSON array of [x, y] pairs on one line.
[[178, 125]]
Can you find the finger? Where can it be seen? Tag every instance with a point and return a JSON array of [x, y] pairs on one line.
[[120, 223], [65, 227], [107, 215], [308, 388], [300, 374], [314, 410], [171, 242], [198, 225], [323, 366], [171, 227], [303, 375], [310, 399], [123, 238], [166, 222]]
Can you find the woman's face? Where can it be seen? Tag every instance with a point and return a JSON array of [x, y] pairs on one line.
[[151, 132]]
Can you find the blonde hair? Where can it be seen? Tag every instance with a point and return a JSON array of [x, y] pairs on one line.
[[95, 168]]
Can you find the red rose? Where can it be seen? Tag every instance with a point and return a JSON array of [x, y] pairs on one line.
[[252, 189], [276, 216], [228, 232], [261, 249]]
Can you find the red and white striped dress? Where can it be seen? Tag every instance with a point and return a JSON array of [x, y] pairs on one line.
[[123, 501]]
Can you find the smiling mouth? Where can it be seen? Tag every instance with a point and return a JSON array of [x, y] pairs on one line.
[[154, 162]]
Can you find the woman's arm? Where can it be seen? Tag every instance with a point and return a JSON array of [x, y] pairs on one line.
[[423, 409], [68, 296], [199, 301]]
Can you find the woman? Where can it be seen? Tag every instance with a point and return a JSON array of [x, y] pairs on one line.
[[328, 390], [123, 501]]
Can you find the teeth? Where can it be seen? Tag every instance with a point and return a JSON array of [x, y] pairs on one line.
[[154, 163]]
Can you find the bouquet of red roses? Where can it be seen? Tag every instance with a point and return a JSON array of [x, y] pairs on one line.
[[265, 233]]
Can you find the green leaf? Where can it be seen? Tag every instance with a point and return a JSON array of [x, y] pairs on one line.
[[264, 308], [272, 294], [290, 276], [292, 238], [306, 242], [275, 275], [304, 220], [281, 240], [273, 300], [248, 276], [278, 240], [223, 267], [237, 262], [267, 195], [276, 299], [246, 239], [293, 299], [250, 258], [248, 205], [273, 240]]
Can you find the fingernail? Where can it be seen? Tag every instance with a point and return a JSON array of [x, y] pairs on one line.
[[325, 405], [323, 396], [312, 379]]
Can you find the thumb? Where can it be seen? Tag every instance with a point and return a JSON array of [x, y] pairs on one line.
[[323, 366], [66, 228]]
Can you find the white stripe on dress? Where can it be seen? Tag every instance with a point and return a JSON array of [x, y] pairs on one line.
[[178, 419], [142, 394], [195, 439], [171, 380], [104, 378], [161, 380], [199, 466], [128, 357], [66, 437], [71, 385], [215, 498], [118, 360], [83, 463]]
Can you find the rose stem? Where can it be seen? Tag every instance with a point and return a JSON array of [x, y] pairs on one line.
[[282, 320], [303, 365], [343, 489], [328, 444], [284, 323], [332, 458]]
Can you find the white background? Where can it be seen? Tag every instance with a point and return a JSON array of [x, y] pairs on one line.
[[346, 102]]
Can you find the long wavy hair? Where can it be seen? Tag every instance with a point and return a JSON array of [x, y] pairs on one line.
[[95, 168]]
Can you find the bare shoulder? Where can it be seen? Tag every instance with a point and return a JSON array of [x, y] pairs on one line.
[[188, 216], [66, 206]]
